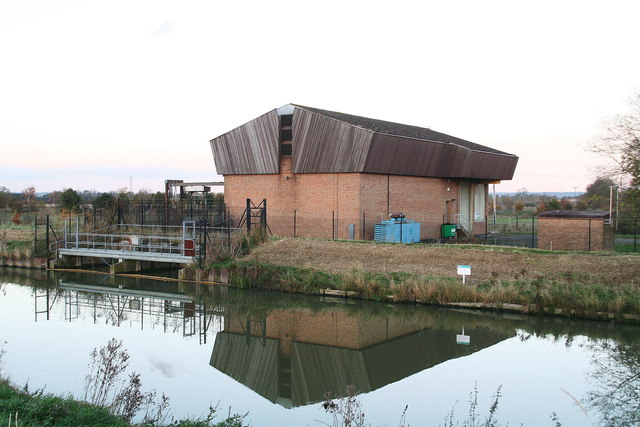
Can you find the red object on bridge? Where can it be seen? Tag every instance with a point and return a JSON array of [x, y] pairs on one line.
[[189, 248]]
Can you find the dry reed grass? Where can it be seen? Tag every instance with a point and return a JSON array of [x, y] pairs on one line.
[[16, 232], [490, 263]]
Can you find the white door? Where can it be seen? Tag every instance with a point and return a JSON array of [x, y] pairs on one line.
[[465, 207]]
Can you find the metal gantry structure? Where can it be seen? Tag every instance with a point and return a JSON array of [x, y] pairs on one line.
[[176, 244], [183, 244]]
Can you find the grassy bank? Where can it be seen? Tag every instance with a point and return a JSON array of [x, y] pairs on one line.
[[572, 284], [22, 408]]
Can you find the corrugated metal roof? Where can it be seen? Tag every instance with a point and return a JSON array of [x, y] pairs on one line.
[[249, 149], [331, 142]]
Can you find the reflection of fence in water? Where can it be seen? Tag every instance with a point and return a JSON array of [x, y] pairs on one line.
[[173, 313]]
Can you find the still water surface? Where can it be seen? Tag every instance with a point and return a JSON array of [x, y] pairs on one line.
[[277, 356]]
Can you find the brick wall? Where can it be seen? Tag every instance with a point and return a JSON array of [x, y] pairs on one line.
[[325, 204], [574, 234], [317, 205], [420, 199]]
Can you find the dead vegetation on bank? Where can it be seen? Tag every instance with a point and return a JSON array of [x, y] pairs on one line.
[[588, 285], [488, 262]]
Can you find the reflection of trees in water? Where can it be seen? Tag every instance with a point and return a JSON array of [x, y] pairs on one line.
[[565, 339], [615, 374], [616, 377]]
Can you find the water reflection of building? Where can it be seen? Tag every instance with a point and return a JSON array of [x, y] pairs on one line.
[[299, 356]]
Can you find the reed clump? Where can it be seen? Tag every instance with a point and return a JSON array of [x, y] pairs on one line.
[[221, 248]]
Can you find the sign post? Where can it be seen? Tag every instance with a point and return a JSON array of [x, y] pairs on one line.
[[464, 271]]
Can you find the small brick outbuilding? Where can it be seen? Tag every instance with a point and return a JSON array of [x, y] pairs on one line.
[[575, 231]]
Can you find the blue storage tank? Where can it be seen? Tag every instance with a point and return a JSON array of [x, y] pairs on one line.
[[397, 230]]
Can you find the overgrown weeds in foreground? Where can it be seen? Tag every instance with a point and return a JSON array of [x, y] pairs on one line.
[[570, 294], [106, 387], [110, 400], [349, 411], [24, 408]]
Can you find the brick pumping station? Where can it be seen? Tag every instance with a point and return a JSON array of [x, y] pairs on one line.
[[332, 175]]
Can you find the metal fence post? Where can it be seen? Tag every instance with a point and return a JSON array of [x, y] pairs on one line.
[[248, 214], [333, 224], [533, 229], [486, 230], [228, 223], [35, 234], [47, 237], [203, 243]]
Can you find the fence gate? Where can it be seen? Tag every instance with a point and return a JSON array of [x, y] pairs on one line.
[[41, 237], [71, 233], [255, 215]]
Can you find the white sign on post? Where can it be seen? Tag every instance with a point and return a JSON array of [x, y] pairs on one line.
[[464, 271]]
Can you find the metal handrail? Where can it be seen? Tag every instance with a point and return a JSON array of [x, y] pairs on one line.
[[145, 239]]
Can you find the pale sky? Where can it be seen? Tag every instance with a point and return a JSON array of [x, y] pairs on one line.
[[95, 92]]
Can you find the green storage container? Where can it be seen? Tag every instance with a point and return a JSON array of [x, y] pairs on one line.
[[449, 230]]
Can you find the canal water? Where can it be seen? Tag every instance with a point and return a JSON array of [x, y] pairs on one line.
[[277, 357]]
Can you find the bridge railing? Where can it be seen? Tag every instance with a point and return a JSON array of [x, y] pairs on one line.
[[163, 240], [187, 240]]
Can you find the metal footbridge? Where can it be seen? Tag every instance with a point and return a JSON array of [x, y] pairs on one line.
[[156, 243]]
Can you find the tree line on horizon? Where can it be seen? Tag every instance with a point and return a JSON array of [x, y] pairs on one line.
[[70, 200], [596, 197]]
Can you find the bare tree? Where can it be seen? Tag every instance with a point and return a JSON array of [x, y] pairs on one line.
[[29, 197], [619, 144]]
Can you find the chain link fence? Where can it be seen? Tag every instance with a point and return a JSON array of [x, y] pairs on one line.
[[627, 235]]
